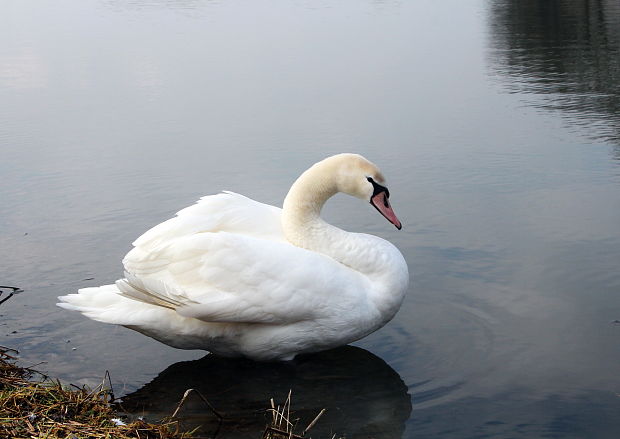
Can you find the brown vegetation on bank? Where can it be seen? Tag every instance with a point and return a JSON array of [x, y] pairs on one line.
[[33, 406]]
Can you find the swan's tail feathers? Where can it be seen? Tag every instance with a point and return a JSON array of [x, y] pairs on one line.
[[108, 304], [152, 291], [89, 298], [94, 302]]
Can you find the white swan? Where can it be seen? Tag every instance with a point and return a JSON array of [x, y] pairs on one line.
[[240, 278]]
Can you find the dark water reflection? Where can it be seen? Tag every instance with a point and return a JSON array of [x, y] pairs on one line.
[[240, 391], [567, 52]]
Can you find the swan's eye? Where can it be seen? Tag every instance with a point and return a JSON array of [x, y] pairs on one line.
[[377, 188]]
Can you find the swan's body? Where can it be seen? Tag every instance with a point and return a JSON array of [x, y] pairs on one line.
[[240, 278]]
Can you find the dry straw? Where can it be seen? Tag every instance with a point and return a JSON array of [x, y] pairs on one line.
[[282, 426], [35, 406]]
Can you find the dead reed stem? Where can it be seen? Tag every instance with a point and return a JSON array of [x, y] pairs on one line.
[[282, 427]]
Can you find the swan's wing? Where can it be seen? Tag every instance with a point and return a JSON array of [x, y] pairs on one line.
[[227, 277], [226, 211]]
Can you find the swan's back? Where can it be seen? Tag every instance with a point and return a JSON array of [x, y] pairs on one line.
[[224, 212]]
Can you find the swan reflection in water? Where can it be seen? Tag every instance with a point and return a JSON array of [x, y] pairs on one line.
[[363, 395]]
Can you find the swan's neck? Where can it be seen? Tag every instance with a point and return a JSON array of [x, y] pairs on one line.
[[301, 211], [376, 259], [304, 227]]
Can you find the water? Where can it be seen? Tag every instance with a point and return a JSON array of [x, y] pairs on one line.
[[495, 122]]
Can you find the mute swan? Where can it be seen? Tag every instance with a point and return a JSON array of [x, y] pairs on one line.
[[240, 278]]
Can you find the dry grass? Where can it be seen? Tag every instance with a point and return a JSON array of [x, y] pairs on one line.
[[34, 406], [282, 426]]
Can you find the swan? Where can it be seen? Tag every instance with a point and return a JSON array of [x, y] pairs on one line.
[[236, 277]]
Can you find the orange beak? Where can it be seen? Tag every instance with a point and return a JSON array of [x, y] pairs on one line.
[[382, 204]]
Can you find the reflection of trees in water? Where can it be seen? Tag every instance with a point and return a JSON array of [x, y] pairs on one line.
[[567, 51]]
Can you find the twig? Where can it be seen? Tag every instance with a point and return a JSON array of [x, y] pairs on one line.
[[288, 409], [310, 425], [4, 350], [187, 392], [273, 411], [100, 386], [11, 294]]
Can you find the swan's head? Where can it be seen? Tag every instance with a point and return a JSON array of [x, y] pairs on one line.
[[357, 176]]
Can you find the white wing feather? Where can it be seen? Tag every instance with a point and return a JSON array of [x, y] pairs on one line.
[[225, 259]]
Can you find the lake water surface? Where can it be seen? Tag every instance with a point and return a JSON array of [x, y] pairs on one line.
[[497, 124]]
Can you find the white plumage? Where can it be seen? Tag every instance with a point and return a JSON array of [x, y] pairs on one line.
[[240, 278]]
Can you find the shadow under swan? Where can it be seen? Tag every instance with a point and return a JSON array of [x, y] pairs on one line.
[[363, 395]]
